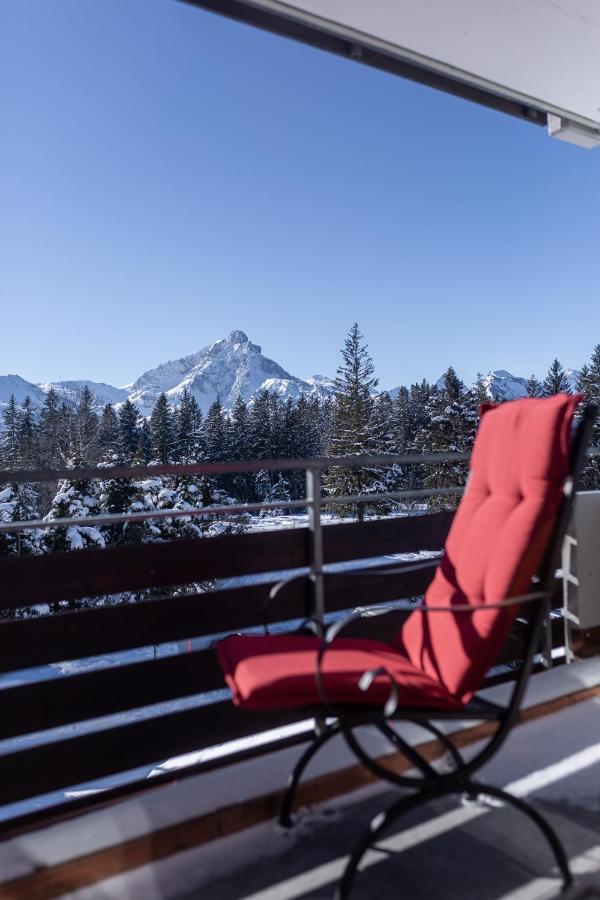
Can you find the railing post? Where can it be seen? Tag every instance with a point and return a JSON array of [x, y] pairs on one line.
[[314, 499]]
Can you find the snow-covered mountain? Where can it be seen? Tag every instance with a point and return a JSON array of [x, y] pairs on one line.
[[230, 368], [103, 393], [14, 385], [502, 385]]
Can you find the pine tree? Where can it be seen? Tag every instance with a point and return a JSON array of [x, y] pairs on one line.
[[108, 431], [452, 421], [27, 435], [75, 498], [86, 427], [9, 439], [161, 426], [188, 420], [239, 442], [277, 492], [383, 443], [351, 433], [589, 386], [555, 381], [53, 432], [214, 433], [188, 491], [117, 496], [145, 444], [19, 503], [534, 387], [128, 430], [479, 390]]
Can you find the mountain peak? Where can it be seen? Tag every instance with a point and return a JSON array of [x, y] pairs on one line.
[[238, 337]]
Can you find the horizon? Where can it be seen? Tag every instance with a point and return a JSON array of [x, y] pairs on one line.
[[168, 172], [304, 377]]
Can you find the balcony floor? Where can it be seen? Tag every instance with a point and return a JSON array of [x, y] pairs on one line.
[[448, 850]]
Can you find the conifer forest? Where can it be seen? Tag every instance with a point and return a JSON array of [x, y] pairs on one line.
[[357, 420]]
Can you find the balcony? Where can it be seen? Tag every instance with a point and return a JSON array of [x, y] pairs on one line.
[[132, 766]]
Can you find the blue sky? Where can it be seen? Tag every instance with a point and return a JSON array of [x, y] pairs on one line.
[[167, 176]]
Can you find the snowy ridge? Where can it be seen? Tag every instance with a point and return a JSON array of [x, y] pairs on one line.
[[103, 393], [14, 385], [226, 369], [501, 385]]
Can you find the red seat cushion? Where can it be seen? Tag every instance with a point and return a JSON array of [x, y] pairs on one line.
[[278, 671], [498, 537]]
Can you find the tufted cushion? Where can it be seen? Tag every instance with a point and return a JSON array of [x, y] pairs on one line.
[[497, 540]]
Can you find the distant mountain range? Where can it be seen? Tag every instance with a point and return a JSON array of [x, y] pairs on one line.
[[230, 368]]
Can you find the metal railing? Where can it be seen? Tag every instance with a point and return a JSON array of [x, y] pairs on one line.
[[81, 633]]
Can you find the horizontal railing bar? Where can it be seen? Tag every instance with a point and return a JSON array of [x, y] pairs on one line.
[[227, 468], [121, 518], [73, 761], [68, 808], [390, 495], [20, 476], [76, 698]]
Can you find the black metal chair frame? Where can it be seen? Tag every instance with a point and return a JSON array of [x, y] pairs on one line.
[[431, 783]]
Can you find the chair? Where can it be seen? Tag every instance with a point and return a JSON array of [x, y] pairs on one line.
[[499, 562]]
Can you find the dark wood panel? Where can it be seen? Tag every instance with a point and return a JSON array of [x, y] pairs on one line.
[[401, 534], [72, 635], [91, 573], [74, 698], [66, 763]]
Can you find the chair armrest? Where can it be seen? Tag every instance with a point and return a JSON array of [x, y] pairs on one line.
[[482, 607], [433, 562], [369, 676]]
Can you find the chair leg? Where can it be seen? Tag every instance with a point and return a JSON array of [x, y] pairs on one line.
[[383, 820], [285, 814], [378, 825], [552, 838]]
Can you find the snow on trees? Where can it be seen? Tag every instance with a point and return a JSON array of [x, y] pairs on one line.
[[18, 503], [74, 499], [451, 426]]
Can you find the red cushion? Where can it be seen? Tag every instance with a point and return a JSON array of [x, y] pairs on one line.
[[497, 540], [278, 672]]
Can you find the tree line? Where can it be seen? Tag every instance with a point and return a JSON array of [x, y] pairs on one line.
[[421, 418]]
